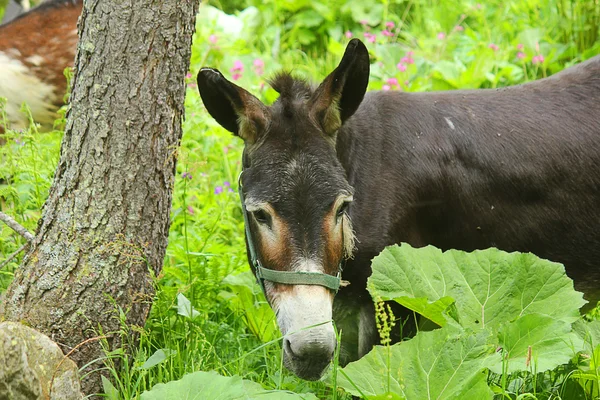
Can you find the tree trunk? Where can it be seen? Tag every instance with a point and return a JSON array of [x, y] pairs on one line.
[[104, 226]]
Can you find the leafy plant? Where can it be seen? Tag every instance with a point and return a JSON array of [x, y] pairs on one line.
[[210, 385], [502, 312]]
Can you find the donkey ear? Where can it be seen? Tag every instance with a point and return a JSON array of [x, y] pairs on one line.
[[340, 94], [234, 108]]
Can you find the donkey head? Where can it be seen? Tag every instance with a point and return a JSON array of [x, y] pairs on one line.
[[295, 194]]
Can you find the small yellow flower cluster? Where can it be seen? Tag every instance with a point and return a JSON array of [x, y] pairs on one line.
[[385, 321]]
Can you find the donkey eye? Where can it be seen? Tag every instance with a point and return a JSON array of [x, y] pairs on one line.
[[262, 217], [342, 210]]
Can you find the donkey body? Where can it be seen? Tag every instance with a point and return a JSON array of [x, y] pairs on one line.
[[35, 48], [516, 168]]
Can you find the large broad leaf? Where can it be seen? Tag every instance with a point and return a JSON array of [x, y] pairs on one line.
[[447, 363], [535, 343], [210, 385], [489, 287]]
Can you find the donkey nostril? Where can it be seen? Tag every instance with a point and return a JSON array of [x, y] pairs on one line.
[[286, 345], [288, 348]]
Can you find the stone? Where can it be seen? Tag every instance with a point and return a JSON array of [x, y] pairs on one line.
[[30, 363]]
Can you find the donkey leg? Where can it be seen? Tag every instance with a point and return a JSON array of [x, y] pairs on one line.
[[354, 316]]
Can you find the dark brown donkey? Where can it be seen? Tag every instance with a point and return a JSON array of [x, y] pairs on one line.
[[516, 168]]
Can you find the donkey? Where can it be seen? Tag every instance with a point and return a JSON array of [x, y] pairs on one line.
[[516, 168], [35, 48]]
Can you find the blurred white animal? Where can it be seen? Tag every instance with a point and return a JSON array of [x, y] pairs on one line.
[[35, 48]]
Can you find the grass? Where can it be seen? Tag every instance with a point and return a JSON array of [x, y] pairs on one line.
[[433, 45]]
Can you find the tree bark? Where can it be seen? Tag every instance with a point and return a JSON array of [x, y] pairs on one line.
[[105, 223]]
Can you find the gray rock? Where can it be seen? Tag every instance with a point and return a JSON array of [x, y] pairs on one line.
[[28, 363]]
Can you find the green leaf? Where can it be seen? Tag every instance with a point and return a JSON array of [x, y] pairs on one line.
[[210, 385], [184, 307], [110, 391], [308, 19], [246, 300], [159, 356], [489, 286], [388, 396], [443, 364], [589, 334], [530, 38], [534, 342], [433, 311], [449, 71]]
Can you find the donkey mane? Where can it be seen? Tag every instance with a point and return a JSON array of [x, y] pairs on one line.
[[291, 89]]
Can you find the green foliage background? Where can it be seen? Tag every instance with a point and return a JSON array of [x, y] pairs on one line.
[[416, 45]]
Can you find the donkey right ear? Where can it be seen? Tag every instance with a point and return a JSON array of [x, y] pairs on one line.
[[234, 108], [340, 94]]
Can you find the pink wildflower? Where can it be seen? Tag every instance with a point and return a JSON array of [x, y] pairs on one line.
[[370, 37], [387, 33], [364, 22], [259, 66], [493, 46], [539, 59], [385, 87], [348, 34], [401, 67], [188, 75], [190, 210], [441, 36], [408, 58], [392, 81], [213, 39], [520, 55], [237, 70], [390, 25], [520, 46], [458, 28], [238, 66]]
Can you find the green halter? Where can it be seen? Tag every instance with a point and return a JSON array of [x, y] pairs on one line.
[[285, 277]]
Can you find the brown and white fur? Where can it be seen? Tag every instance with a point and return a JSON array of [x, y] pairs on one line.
[[35, 48]]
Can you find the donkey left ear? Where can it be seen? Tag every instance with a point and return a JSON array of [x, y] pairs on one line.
[[234, 108], [340, 94]]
